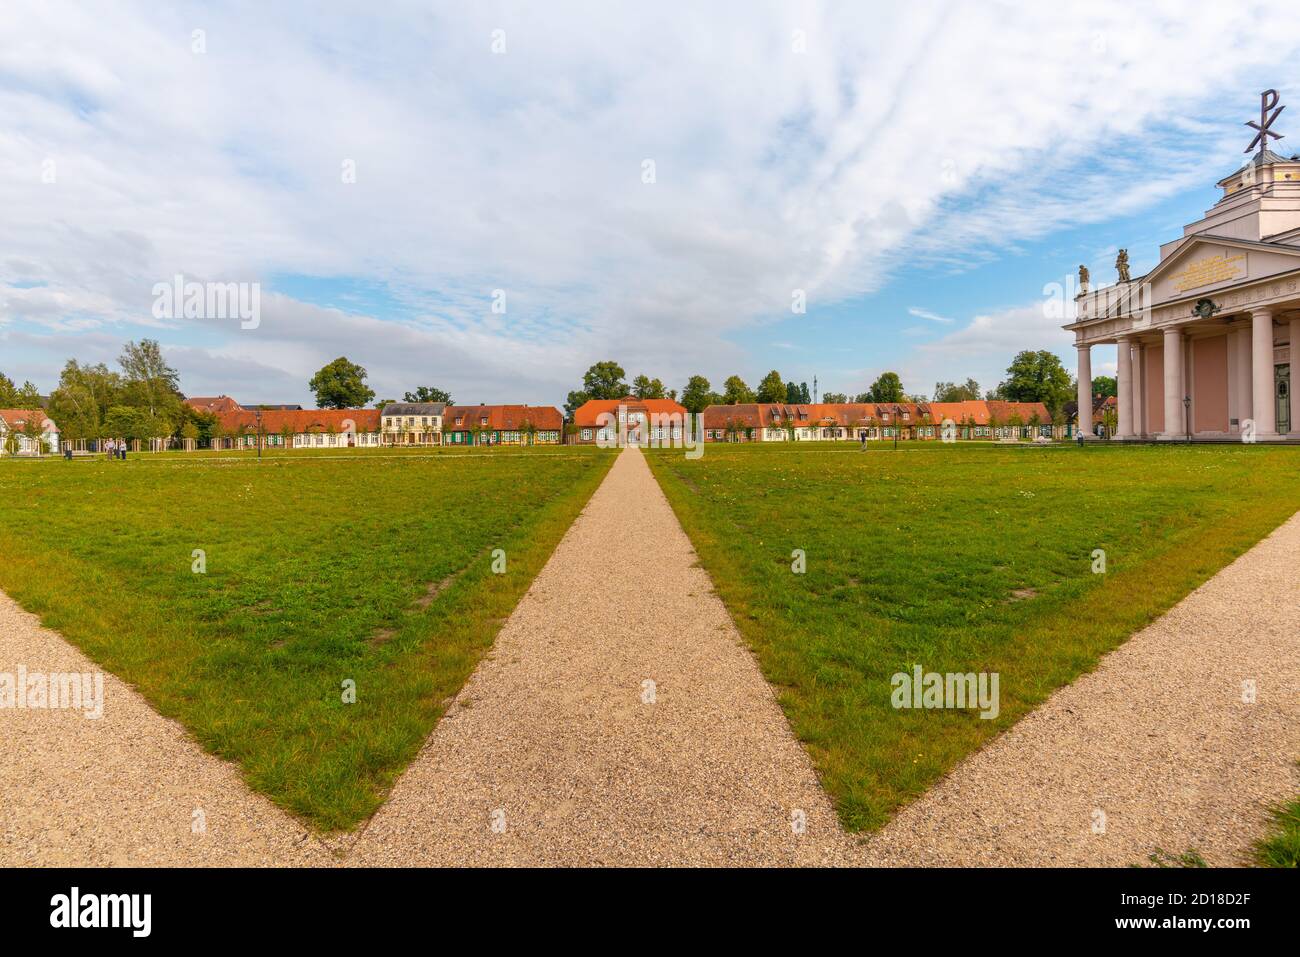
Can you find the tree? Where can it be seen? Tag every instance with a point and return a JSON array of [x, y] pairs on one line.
[[26, 398], [887, 388], [286, 435], [152, 386], [83, 398], [341, 385], [529, 430], [32, 429], [604, 380], [126, 422], [1110, 420], [1105, 385], [1037, 377], [835, 398], [968, 391], [772, 389], [792, 395], [426, 393], [647, 388], [735, 392], [576, 399], [696, 397]]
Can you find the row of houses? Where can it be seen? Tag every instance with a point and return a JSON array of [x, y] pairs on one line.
[[413, 424], [657, 420], [397, 424]]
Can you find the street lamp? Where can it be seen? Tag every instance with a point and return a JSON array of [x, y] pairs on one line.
[[1187, 416], [257, 417]]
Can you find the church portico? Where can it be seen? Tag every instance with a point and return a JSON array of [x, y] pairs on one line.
[[1204, 340]]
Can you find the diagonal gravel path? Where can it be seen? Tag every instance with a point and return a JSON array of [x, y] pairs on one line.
[[553, 733], [122, 789], [1158, 739]]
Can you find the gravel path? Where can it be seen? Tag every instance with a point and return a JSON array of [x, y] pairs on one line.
[[122, 789], [1157, 739], [619, 720], [552, 735]]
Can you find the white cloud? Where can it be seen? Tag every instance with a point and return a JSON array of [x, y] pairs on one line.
[[917, 134], [927, 314]]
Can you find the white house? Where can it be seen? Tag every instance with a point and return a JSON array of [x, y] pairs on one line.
[[15, 421]]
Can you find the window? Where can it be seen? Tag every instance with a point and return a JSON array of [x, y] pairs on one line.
[[586, 435]]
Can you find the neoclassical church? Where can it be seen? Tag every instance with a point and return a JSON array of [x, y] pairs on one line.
[[1205, 338]]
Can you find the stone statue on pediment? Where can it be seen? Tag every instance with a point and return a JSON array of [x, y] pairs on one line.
[[1121, 265], [1083, 280]]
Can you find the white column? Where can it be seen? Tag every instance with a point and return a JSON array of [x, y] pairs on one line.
[[1124, 387], [1261, 373], [1139, 388], [1085, 390], [1293, 357], [1245, 394], [1174, 384]]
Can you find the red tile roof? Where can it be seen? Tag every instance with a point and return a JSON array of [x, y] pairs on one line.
[[587, 413], [304, 420], [216, 403], [501, 418], [16, 418]]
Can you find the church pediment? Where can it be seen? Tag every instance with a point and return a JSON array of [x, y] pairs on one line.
[[1206, 264]]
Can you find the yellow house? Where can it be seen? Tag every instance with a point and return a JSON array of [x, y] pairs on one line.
[[412, 423]]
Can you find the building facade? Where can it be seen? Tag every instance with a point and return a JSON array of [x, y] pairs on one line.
[[304, 429], [412, 423], [14, 426], [640, 421], [1205, 339], [874, 421], [502, 425]]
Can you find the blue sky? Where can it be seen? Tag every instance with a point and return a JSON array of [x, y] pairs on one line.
[[921, 174]]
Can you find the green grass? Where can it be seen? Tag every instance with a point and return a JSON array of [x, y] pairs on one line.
[[1282, 847], [373, 567], [960, 558]]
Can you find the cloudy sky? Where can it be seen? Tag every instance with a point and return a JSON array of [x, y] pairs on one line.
[[651, 183]]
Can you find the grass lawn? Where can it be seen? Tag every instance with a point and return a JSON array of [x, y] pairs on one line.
[[1282, 847], [960, 558], [369, 566]]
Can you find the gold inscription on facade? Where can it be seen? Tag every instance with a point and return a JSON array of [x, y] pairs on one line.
[[1211, 269]]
